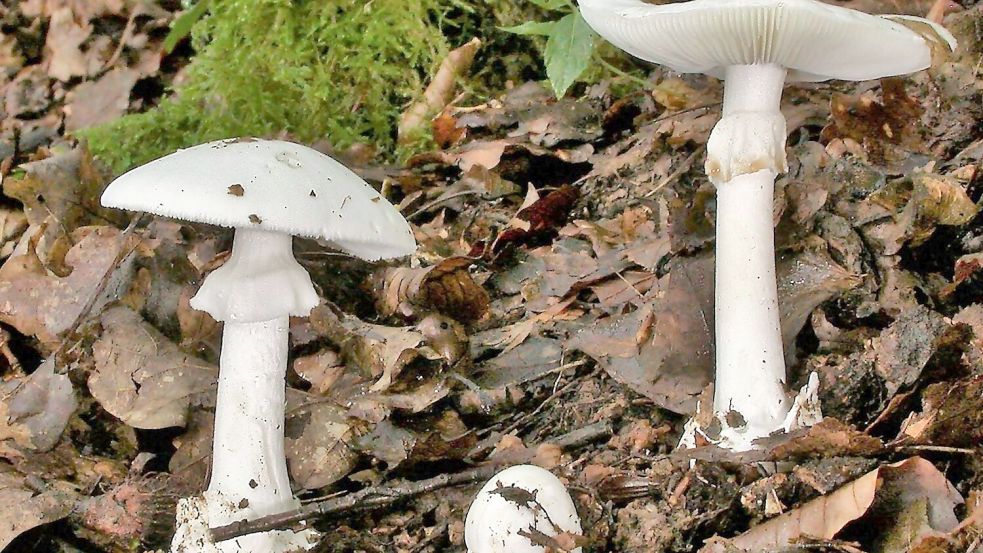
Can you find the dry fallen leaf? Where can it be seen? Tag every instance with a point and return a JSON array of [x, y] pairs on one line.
[[35, 409], [42, 304], [896, 485], [142, 378], [446, 287], [100, 101], [26, 508], [664, 350]]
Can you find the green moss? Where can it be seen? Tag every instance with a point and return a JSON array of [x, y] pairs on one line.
[[341, 70]]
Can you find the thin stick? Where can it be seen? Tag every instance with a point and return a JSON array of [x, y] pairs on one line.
[[364, 499]]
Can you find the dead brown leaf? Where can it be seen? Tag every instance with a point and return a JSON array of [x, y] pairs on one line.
[[142, 378], [100, 101], [35, 409], [896, 486], [42, 304], [25, 508]]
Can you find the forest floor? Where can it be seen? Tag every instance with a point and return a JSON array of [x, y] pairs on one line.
[[558, 312]]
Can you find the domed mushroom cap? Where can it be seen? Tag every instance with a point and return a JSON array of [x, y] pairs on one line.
[[515, 502], [814, 41], [268, 185]]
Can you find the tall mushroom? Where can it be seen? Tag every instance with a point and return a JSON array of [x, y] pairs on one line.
[[267, 191], [755, 46]]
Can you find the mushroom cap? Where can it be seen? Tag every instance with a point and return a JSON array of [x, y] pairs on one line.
[[814, 41], [269, 185], [500, 511]]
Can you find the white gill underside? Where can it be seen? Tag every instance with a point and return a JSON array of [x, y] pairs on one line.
[[815, 41]]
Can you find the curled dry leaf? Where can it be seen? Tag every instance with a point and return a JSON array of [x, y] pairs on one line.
[[63, 190], [439, 92], [446, 287], [884, 492], [142, 378], [539, 220], [952, 415], [35, 409], [39, 303], [25, 508], [382, 352]]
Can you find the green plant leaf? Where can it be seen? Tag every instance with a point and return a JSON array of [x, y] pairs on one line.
[[568, 52], [541, 28], [551, 4], [181, 26]]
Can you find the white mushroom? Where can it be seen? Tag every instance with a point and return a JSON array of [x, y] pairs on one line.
[[516, 504], [755, 46], [267, 191]]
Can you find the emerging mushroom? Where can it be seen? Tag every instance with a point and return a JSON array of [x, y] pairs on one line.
[[516, 508], [755, 46], [267, 191]]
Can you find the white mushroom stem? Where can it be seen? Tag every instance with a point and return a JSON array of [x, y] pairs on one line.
[[248, 461], [254, 292], [745, 154]]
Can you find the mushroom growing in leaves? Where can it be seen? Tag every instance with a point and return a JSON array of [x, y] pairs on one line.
[[517, 509], [268, 191], [756, 46]]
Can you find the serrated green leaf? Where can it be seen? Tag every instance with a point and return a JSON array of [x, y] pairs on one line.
[[568, 52], [181, 26], [551, 4], [540, 28]]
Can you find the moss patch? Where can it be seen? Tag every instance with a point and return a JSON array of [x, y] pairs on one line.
[[341, 70]]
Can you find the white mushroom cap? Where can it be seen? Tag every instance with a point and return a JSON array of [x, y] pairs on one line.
[[815, 41], [499, 511], [268, 185]]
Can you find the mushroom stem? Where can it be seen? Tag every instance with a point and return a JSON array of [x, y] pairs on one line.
[[750, 367], [247, 456]]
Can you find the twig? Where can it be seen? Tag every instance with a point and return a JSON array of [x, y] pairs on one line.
[[369, 498], [683, 167], [440, 200]]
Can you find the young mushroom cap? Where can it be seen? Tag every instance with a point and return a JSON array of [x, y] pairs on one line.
[[269, 185], [513, 503], [268, 190], [814, 41]]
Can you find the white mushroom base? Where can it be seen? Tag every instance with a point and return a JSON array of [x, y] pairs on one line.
[[192, 534], [805, 412]]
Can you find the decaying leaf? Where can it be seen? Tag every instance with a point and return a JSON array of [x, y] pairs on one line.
[[40, 303], [806, 280], [540, 219], [25, 508], [446, 287], [916, 206], [663, 350], [878, 494], [317, 436], [35, 409], [382, 352], [893, 121], [65, 187], [142, 378], [952, 415]]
